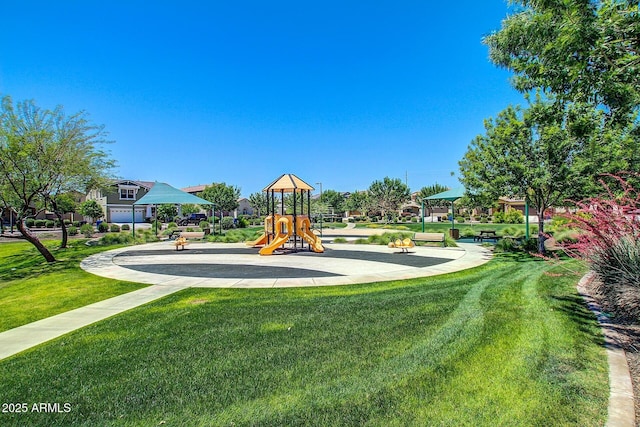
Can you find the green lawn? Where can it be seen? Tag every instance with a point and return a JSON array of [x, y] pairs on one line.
[[31, 289], [509, 343]]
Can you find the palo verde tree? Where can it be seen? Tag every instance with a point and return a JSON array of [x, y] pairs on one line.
[[524, 153], [388, 195], [62, 204], [43, 154]]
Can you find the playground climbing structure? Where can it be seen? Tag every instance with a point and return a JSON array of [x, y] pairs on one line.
[[293, 229]]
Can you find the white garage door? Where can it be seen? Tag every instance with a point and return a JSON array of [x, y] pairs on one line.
[[124, 215]]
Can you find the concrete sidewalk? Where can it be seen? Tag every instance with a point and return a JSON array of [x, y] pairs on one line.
[[24, 337]]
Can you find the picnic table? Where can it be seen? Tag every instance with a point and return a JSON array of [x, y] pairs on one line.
[[485, 235]]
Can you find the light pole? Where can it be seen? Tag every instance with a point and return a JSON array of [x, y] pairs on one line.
[[320, 184]]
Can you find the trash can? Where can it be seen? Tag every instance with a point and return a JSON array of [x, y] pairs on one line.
[[454, 233]]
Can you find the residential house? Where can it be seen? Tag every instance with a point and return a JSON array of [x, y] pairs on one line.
[[117, 201]]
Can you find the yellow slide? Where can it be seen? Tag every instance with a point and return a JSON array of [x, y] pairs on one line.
[[259, 242], [304, 231], [281, 236], [262, 240]]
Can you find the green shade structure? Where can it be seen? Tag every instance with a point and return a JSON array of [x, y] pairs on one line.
[[162, 193], [450, 196]]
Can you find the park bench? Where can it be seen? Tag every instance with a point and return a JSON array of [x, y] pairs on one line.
[[177, 232], [429, 237], [193, 234], [405, 244]]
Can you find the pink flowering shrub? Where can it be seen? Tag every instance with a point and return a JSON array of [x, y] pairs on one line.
[[609, 240]]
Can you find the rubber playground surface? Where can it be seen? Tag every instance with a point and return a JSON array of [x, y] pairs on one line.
[[236, 265]]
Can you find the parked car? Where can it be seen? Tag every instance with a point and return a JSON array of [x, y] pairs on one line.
[[194, 218]]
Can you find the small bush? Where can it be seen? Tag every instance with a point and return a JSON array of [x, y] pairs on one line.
[[125, 227], [145, 236], [530, 244], [40, 223], [242, 222], [449, 241], [49, 223], [227, 223], [514, 216], [72, 231], [76, 224], [115, 228], [156, 223], [87, 230], [339, 240], [507, 244], [103, 227], [30, 222], [512, 231], [460, 219], [467, 232], [116, 239], [204, 224], [172, 225]]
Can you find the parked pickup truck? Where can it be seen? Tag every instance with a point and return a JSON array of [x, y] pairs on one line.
[[194, 218]]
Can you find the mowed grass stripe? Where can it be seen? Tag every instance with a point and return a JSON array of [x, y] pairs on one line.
[[32, 289], [501, 344]]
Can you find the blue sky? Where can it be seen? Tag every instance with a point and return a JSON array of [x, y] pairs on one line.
[[194, 92]]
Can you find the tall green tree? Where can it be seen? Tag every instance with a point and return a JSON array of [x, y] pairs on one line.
[[92, 209], [334, 199], [578, 50], [225, 197], [357, 201], [258, 202], [167, 211], [43, 154], [388, 195], [189, 208], [430, 190], [524, 153]]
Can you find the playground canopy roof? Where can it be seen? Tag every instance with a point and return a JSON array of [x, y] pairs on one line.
[[450, 195], [288, 183], [162, 193]]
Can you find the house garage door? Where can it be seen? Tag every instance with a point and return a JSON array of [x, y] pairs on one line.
[[124, 215]]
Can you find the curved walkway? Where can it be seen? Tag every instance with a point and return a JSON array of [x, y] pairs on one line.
[[236, 265], [338, 265]]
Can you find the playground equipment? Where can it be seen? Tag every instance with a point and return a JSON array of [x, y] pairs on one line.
[[280, 229]]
